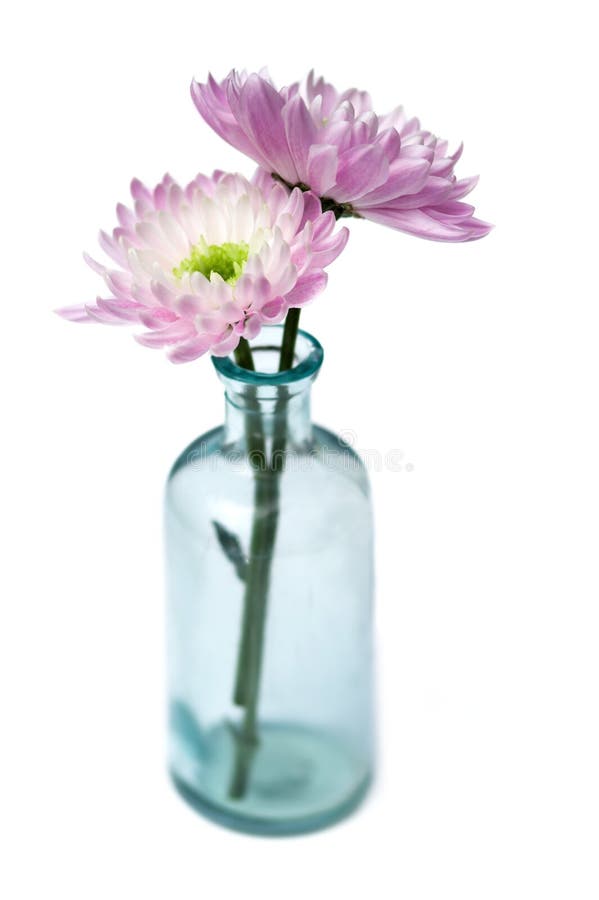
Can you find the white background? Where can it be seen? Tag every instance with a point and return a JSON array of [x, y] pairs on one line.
[[479, 361]]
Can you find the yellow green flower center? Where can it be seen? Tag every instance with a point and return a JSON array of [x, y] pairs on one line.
[[226, 259]]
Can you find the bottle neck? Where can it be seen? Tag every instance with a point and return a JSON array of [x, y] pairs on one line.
[[266, 412], [268, 409]]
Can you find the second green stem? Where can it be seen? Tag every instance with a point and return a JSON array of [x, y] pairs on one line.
[[262, 541]]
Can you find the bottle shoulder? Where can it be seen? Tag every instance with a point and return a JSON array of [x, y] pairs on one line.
[[323, 487], [210, 456], [197, 455], [321, 494]]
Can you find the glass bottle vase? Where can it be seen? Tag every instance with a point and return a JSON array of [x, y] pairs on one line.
[[269, 578]]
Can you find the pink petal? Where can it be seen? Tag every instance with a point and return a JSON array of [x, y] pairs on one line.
[[307, 288], [390, 141], [252, 327], [93, 264], [453, 209], [127, 310], [162, 293], [144, 202], [339, 134], [258, 109], [120, 284], [272, 309], [361, 170], [322, 168], [263, 180], [125, 216], [172, 334], [300, 132], [74, 313], [190, 350], [327, 251], [157, 317], [250, 291], [160, 196], [227, 345], [98, 314], [212, 324], [463, 187], [112, 248], [406, 176], [323, 226], [151, 235], [212, 104], [418, 223], [312, 209], [418, 151], [231, 312], [435, 191], [140, 192]]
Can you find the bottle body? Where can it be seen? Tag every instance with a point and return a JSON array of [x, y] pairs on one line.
[[269, 576]]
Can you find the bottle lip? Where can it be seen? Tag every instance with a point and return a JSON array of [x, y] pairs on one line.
[[309, 349]]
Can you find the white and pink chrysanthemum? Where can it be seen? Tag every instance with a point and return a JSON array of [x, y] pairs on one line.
[[203, 266], [384, 168]]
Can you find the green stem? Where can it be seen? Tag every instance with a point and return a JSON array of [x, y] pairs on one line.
[[243, 355], [256, 581], [265, 506], [252, 647], [256, 450], [289, 338], [262, 542]]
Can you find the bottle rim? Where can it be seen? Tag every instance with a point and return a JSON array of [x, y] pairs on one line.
[[308, 352]]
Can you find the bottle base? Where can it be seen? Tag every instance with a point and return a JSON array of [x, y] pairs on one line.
[[298, 781]]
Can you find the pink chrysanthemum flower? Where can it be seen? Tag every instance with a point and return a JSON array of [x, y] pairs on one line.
[[204, 266], [384, 168]]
